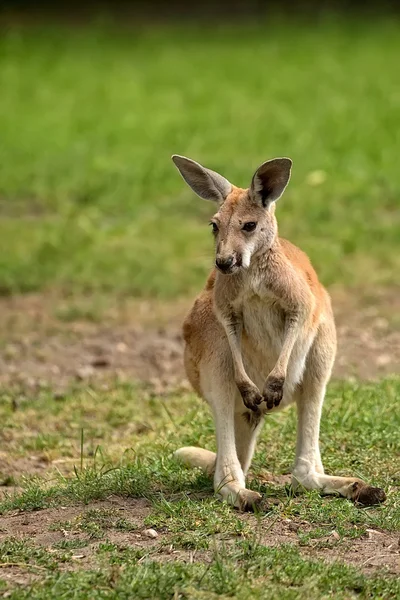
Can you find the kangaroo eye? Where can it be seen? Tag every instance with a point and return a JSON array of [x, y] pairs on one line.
[[214, 227], [250, 226]]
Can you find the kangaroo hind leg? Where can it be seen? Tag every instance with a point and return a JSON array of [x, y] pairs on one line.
[[308, 471]]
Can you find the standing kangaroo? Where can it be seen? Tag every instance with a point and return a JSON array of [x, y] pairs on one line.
[[260, 336]]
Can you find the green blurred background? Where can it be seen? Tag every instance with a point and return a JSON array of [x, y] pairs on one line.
[[93, 104]]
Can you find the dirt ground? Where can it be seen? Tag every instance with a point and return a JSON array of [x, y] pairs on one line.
[[143, 341]]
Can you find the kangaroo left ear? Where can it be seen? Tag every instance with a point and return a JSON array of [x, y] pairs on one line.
[[270, 180], [207, 184]]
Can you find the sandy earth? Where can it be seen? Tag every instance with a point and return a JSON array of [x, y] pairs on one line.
[[143, 342]]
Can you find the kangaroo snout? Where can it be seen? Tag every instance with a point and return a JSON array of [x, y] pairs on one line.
[[225, 264]]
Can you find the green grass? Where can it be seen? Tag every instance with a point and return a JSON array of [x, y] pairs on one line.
[[23, 552], [249, 571], [90, 200], [359, 436]]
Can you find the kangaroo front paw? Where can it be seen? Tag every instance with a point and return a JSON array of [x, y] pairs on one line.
[[367, 495], [251, 395], [273, 390]]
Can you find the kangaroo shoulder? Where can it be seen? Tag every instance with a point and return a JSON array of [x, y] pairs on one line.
[[300, 261]]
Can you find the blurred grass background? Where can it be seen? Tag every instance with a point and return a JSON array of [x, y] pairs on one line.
[[90, 200]]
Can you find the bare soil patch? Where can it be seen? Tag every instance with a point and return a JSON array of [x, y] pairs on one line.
[[378, 549], [375, 549], [143, 341]]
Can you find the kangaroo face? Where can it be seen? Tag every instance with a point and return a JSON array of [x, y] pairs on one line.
[[241, 227], [245, 221]]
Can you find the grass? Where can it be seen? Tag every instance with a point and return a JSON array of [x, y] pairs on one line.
[[248, 571], [120, 458], [92, 208], [90, 117], [16, 551]]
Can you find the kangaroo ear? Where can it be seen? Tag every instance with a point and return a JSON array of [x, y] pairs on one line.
[[205, 183], [270, 180]]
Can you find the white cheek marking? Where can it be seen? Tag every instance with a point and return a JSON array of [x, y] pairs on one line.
[[246, 256]]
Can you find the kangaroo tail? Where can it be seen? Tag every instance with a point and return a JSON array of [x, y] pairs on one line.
[[197, 457]]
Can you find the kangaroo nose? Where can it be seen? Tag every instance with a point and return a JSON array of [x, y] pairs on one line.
[[224, 264]]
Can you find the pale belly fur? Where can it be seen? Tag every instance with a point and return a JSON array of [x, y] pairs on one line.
[[264, 328]]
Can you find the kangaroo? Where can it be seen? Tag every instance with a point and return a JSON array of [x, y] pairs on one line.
[[260, 336]]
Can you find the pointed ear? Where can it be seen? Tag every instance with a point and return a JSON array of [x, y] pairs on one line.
[[205, 183], [270, 180]]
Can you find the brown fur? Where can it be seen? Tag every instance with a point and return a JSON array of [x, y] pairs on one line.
[[259, 336]]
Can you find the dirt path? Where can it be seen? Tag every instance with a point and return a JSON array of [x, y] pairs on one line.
[[142, 341]]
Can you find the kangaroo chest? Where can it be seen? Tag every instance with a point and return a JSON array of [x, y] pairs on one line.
[[263, 324]]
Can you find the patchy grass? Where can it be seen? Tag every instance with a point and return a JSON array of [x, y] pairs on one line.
[[129, 423], [95, 522], [248, 570], [90, 200], [121, 441], [17, 552], [119, 458]]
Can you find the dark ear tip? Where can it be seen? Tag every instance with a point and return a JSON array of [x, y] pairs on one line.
[[286, 160], [182, 161], [283, 162]]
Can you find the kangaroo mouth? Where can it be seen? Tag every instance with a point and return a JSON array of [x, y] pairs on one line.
[[229, 269]]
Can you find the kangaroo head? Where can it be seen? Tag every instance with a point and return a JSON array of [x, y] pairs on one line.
[[245, 221]]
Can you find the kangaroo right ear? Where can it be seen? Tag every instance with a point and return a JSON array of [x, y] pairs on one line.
[[205, 183], [270, 180]]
